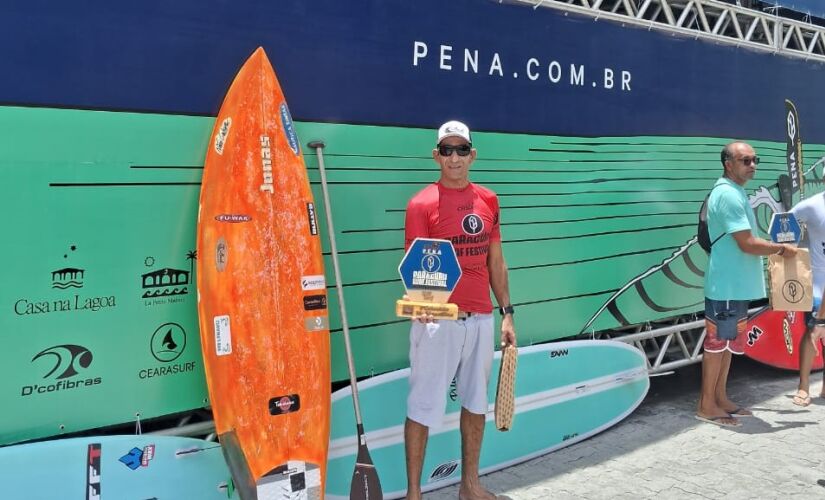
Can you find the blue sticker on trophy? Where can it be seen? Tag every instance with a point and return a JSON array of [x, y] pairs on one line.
[[430, 272], [785, 228]]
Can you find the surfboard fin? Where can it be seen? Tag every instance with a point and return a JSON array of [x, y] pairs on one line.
[[241, 477]]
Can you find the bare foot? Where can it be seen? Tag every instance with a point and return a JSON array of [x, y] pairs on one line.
[[478, 493], [734, 409]]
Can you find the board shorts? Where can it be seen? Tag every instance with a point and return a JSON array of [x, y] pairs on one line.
[[726, 322], [809, 316], [447, 350]]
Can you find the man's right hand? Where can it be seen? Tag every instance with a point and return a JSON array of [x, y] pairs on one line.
[[789, 252], [424, 318]]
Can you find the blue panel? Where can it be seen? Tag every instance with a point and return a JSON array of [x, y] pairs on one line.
[[499, 67]]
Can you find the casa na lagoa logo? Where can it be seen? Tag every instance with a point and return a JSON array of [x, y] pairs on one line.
[[65, 279]]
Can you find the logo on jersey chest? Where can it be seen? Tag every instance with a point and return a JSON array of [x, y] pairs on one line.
[[472, 224]]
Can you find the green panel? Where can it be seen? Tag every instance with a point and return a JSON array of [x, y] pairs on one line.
[[582, 217], [61, 214]]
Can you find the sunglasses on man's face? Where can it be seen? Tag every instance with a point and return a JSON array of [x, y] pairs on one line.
[[748, 160], [462, 150]]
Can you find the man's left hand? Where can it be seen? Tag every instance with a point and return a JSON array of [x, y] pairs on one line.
[[508, 332]]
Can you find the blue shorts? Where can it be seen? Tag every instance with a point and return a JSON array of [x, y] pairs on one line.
[[809, 316], [725, 322]]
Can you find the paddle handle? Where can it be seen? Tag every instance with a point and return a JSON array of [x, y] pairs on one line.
[[318, 146]]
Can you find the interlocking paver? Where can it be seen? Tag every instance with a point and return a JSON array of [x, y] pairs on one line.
[[662, 452]]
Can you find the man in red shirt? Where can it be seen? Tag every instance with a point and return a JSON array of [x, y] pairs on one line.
[[468, 215]]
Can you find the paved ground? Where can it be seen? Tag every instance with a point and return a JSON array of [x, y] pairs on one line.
[[661, 451]]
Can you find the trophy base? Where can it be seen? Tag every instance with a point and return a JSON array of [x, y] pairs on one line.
[[410, 309]]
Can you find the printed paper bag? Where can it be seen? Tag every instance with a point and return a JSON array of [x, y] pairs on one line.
[[791, 282]]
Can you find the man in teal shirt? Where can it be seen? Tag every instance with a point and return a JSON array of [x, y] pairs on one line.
[[734, 277]]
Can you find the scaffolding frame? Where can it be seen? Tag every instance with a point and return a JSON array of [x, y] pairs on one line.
[[709, 19]]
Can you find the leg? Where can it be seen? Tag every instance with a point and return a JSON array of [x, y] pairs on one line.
[[472, 381], [711, 368], [806, 360], [721, 390], [415, 443], [433, 361], [472, 433]]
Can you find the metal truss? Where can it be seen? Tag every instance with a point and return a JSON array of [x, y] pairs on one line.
[[667, 345], [708, 19]]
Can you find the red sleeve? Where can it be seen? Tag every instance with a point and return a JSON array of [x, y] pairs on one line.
[[416, 223], [492, 202]]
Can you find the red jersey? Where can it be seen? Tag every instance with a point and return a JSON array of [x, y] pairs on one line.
[[469, 219]]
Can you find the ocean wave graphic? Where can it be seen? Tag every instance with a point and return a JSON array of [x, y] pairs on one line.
[[67, 284], [165, 292]]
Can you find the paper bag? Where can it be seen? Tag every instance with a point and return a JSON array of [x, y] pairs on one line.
[[791, 282]]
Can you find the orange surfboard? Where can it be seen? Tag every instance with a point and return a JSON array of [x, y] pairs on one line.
[[262, 295]]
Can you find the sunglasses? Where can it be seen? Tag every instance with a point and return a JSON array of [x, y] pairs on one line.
[[462, 150], [748, 161]]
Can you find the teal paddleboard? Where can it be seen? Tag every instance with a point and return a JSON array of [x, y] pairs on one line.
[[565, 392], [116, 468]]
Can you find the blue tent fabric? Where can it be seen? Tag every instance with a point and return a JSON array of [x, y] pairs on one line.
[[812, 7]]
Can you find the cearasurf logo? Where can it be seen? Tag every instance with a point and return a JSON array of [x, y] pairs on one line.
[[472, 224], [69, 360], [168, 342], [314, 282]]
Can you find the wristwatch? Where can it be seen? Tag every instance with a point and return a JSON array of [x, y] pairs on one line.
[[819, 322], [506, 310]]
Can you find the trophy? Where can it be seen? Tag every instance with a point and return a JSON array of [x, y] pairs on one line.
[[430, 272]]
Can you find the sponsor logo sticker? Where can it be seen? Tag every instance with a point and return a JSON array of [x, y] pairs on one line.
[[223, 336], [289, 129], [313, 282], [315, 302], [223, 133], [221, 254], [137, 457], [284, 404], [93, 472], [233, 218], [313, 225], [316, 323]]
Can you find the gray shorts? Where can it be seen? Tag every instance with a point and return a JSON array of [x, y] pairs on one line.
[[439, 352]]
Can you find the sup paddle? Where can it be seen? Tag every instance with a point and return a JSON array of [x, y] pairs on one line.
[[365, 483]]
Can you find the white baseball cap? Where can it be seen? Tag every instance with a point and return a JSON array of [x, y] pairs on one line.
[[454, 128]]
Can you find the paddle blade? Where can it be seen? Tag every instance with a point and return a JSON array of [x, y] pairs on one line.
[[365, 483]]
